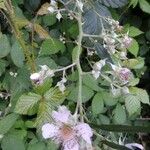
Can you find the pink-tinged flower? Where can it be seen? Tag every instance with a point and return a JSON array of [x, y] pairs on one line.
[[126, 41], [123, 74], [66, 131]]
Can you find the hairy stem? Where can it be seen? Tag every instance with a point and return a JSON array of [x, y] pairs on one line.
[[18, 35], [79, 104]]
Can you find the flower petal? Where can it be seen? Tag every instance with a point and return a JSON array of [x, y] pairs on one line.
[[62, 115], [134, 145], [71, 145], [49, 131], [84, 130]]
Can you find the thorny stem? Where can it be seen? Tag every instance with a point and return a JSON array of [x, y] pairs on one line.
[[18, 34]]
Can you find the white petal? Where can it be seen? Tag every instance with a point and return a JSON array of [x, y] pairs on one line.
[[49, 131], [35, 76], [61, 115], [132, 145], [71, 145], [84, 131]]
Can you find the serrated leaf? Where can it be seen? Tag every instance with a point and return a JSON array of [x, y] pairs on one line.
[[93, 20], [97, 104], [44, 114], [51, 46], [17, 54], [134, 48], [133, 31], [26, 103], [4, 46], [87, 94], [90, 82], [141, 94], [114, 3], [119, 114], [55, 96], [145, 6], [133, 105], [7, 122]]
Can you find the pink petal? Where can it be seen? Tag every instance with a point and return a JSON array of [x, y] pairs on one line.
[[71, 145], [84, 130], [61, 115], [49, 131]]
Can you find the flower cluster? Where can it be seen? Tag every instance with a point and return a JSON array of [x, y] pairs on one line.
[[114, 40], [67, 131], [39, 77]]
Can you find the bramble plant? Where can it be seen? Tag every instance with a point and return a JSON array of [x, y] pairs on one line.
[[69, 75]]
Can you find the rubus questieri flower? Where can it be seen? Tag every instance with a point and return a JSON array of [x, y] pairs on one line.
[[67, 131], [126, 41], [61, 84], [123, 74], [40, 76]]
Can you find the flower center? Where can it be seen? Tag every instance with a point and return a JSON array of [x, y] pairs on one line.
[[66, 132]]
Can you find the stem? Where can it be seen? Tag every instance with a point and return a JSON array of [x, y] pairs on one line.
[[79, 103], [18, 34], [65, 68]]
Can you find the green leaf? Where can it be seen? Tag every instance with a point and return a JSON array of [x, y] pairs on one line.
[[7, 122], [140, 94], [44, 114], [26, 103], [90, 82], [87, 94], [145, 6], [37, 146], [17, 55], [49, 19], [133, 105], [92, 21], [46, 61], [104, 119], [134, 63], [97, 104], [123, 128], [12, 142], [109, 100], [133, 31], [114, 3], [133, 3], [4, 46], [134, 48], [119, 114], [2, 66], [55, 96], [51, 46]]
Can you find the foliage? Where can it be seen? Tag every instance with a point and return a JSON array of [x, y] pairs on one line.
[[71, 54]]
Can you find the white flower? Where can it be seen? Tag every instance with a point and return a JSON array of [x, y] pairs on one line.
[[51, 9], [132, 146], [96, 74], [61, 85], [126, 41], [66, 132], [80, 5], [58, 16], [35, 76], [40, 76]]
